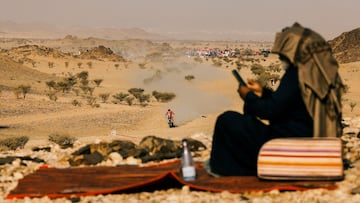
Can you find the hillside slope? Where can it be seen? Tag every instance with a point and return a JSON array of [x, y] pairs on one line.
[[13, 74], [346, 46]]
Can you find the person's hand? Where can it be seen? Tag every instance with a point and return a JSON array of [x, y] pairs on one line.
[[255, 87], [252, 85], [243, 90]]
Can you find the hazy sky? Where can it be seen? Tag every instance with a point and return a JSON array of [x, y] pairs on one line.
[[251, 19]]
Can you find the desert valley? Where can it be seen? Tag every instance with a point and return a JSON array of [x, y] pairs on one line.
[[94, 90]]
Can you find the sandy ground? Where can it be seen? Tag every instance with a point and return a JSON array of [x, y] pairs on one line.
[[37, 117], [213, 91]]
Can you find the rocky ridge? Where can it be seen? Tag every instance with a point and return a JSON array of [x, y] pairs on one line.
[[346, 46]]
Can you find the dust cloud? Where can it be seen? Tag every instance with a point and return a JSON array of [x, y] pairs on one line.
[[190, 102]]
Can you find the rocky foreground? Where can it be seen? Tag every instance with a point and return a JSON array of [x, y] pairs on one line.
[[26, 161]]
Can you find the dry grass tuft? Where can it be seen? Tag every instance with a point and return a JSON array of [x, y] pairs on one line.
[[63, 140], [13, 143]]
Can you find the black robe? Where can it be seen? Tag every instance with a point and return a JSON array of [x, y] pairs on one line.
[[238, 138]]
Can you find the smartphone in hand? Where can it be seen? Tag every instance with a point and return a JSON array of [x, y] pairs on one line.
[[238, 77]]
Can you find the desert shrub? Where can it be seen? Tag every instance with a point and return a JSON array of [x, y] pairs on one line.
[[22, 89], [136, 92], [79, 64], [275, 67], [142, 65], [352, 105], [163, 96], [89, 64], [120, 96], [84, 82], [257, 69], [104, 97], [98, 82], [239, 65], [51, 84], [83, 75], [63, 86], [226, 59], [85, 89], [216, 63], [14, 142], [198, 59], [91, 101], [91, 90], [51, 64], [265, 77], [144, 98], [129, 100], [52, 95], [63, 140], [249, 59], [116, 65], [71, 80], [66, 64], [189, 77], [75, 102]]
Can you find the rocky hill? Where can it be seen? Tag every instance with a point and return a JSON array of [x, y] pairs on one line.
[[101, 53], [346, 46]]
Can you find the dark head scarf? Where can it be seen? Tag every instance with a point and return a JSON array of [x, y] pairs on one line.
[[319, 81]]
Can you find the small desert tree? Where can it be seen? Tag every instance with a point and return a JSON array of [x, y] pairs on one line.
[[136, 92], [98, 82], [144, 98], [142, 65], [129, 100], [352, 105], [79, 64], [51, 64], [92, 101], [22, 89], [163, 96], [189, 77], [120, 96], [89, 64], [83, 75], [51, 84], [66, 64], [257, 69], [104, 97]]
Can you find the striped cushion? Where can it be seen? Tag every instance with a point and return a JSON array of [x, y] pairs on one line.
[[301, 158]]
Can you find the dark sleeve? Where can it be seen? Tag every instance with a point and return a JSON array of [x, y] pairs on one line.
[[273, 104]]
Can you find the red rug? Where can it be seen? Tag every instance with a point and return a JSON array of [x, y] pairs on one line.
[[82, 181]]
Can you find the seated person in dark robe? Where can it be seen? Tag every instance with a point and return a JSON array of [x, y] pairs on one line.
[[237, 137]]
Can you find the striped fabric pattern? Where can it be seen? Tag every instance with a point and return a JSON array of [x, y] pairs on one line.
[[301, 159]]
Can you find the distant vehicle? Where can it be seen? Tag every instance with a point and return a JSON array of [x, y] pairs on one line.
[[265, 53]]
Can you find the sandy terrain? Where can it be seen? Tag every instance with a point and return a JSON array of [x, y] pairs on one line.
[[196, 106]]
